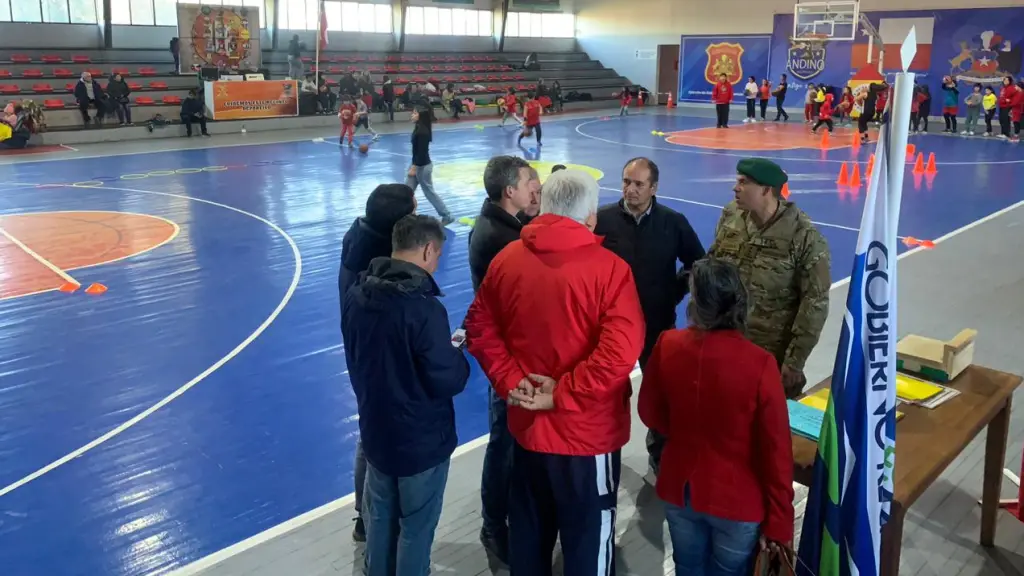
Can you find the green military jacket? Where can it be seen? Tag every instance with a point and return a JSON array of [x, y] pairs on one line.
[[785, 267]]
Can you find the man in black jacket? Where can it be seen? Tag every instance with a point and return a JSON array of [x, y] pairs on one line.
[[192, 111], [369, 238], [512, 189], [405, 373], [650, 238]]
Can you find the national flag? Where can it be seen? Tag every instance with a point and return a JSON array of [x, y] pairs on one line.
[[892, 32], [323, 24], [852, 490]]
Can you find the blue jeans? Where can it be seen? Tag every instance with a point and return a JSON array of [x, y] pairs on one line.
[[704, 545], [494, 485], [401, 515], [359, 476]]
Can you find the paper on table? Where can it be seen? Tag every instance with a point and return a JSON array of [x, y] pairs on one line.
[[805, 420], [914, 390], [819, 401]]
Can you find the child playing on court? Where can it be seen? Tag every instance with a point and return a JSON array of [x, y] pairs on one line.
[[750, 92], [950, 104], [766, 95], [510, 108], [846, 105], [532, 112], [973, 101], [363, 117], [347, 114], [989, 102], [825, 115], [812, 91], [625, 97]]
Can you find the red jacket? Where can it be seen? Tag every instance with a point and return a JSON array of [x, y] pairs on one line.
[[557, 303], [1017, 105], [1006, 96], [825, 112], [718, 399], [722, 94]]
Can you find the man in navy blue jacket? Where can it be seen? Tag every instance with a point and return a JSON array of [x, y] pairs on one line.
[[405, 372]]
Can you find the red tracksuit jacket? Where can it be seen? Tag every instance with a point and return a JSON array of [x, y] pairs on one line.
[[722, 93], [557, 303], [718, 399]]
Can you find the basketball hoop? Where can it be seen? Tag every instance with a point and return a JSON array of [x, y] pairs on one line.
[[811, 38]]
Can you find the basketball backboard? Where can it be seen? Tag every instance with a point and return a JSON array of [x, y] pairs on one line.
[[836, 20]]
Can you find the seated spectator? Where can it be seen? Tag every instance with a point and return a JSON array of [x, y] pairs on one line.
[[15, 132], [450, 101], [726, 474], [405, 373], [192, 111], [88, 92], [119, 91]]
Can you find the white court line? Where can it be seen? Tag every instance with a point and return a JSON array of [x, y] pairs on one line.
[[53, 267], [69, 147], [205, 373], [685, 150], [297, 522]]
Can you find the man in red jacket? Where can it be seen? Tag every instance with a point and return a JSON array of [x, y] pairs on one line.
[[557, 327], [722, 95]]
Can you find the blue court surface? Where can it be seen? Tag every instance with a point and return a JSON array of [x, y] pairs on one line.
[[204, 397]]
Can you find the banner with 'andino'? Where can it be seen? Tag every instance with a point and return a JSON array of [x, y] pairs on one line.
[[253, 99], [702, 59]]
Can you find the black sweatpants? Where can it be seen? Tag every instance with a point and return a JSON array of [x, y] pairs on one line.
[[1004, 121], [989, 115], [825, 121], [779, 111], [569, 498], [723, 115], [751, 107], [764, 109]]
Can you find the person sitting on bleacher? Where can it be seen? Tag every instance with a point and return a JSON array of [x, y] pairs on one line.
[[192, 111], [15, 131], [89, 92], [118, 91]]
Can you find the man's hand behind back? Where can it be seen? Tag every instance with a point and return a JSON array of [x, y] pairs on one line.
[[535, 393]]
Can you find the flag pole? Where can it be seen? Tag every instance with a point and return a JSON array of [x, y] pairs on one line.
[[319, 33]]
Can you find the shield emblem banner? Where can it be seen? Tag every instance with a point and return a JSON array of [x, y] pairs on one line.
[[724, 58]]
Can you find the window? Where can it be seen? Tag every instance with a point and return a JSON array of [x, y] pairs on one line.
[[150, 12], [536, 25], [448, 21], [341, 16]]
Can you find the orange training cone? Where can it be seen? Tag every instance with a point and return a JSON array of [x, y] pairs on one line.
[[910, 150], [931, 169], [785, 190], [844, 175], [856, 140], [919, 165], [670, 103], [96, 289], [824, 139], [855, 177], [871, 165], [69, 287]]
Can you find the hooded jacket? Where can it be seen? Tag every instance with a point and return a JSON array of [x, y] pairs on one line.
[[557, 303], [403, 367]]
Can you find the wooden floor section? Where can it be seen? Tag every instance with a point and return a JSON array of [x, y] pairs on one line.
[[942, 291]]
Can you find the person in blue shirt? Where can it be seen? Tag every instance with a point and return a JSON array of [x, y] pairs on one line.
[[950, 103], [404, 372]]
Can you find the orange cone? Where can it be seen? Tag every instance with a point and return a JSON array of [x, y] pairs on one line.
[[911, 149], [96, 289], [844, 175], [670, 103], [785, 190], [824, 139], [871, 165], [856, 141], [931, 169], [855, 177], [69, 287], [919, 165]]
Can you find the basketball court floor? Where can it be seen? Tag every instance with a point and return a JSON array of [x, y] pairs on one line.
[[172, 379]]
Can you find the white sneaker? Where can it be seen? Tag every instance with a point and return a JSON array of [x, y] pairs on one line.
[[971, 133], [964, 133]]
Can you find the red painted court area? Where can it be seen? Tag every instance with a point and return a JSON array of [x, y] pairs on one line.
[[32, 245], [764, 136]]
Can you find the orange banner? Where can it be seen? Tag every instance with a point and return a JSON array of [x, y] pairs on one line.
[[254, 99]]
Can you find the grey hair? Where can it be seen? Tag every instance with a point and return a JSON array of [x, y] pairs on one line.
[[718, 299], [570, 193], [502, 172]]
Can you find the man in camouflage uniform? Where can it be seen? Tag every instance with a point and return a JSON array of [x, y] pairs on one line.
[[784, 263]]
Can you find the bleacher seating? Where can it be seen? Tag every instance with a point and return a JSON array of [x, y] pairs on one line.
[[50, 75]]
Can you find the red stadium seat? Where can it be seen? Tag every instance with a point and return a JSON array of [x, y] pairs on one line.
[[158, 85], [70, 87], [144, 101], [172, 100], [9, 89], [121, 71], [42, 88], [64, 73], [135, 85], [32, 73], [80, 59], [147, 71], [20, 59], [51, 59], [53, 104], [5, 73], [96, 72]]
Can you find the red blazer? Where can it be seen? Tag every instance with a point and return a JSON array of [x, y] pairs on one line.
[[557, 303], [718, 399], [1017, 105], [722, 93]]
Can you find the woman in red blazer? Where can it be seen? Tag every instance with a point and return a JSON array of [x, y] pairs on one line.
[[726, 475], [722, 95]]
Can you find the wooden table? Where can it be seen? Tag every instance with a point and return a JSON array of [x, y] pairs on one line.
[[927, 441]]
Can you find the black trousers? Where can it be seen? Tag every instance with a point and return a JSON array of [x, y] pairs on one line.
[[1004, 121], [722, 111], [536, 132], [779, 112], [751, 107], [764, 108], [950, 122], [188, 119], [826, 121], [568, 498], [865, 118], [989, 115]]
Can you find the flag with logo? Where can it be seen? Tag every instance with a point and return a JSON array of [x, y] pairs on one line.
[[850, 496], [323, 24]]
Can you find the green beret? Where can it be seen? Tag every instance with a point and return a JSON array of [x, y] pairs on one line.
[[764, 172]]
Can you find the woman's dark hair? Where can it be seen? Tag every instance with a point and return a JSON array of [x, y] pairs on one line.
[[425, 121], [718, 299], [751, 78]]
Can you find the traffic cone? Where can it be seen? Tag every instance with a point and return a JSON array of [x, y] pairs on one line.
[[844, 175], [919, 165], [871, 165], [856, 141], [785, 190], [911, 149], [670, 103], [931, 169], [855, 177], [824, 139]]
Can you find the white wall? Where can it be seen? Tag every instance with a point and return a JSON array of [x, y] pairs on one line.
[[540, 44], [612, 30], [22, 35]]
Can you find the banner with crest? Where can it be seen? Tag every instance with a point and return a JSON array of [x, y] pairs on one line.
[[702, 59]]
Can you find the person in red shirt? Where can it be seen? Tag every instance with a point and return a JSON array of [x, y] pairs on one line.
[[846, 105], [727, 472], [557, 328], [915, 109], [511, 105], [722, 95], [825, 115], [532, 111], [1017, 111], [766, 96], [625, 97], [347, 114]]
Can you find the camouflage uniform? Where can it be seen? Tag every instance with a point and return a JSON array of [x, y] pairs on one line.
[[785, 267]]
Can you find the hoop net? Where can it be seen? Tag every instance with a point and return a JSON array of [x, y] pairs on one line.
[[811, 38]]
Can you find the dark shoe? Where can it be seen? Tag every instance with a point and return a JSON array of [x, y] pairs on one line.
[[207, 134], [359, 532], [495, 546]]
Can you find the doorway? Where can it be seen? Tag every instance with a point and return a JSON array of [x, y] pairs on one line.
[[668, 71]]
